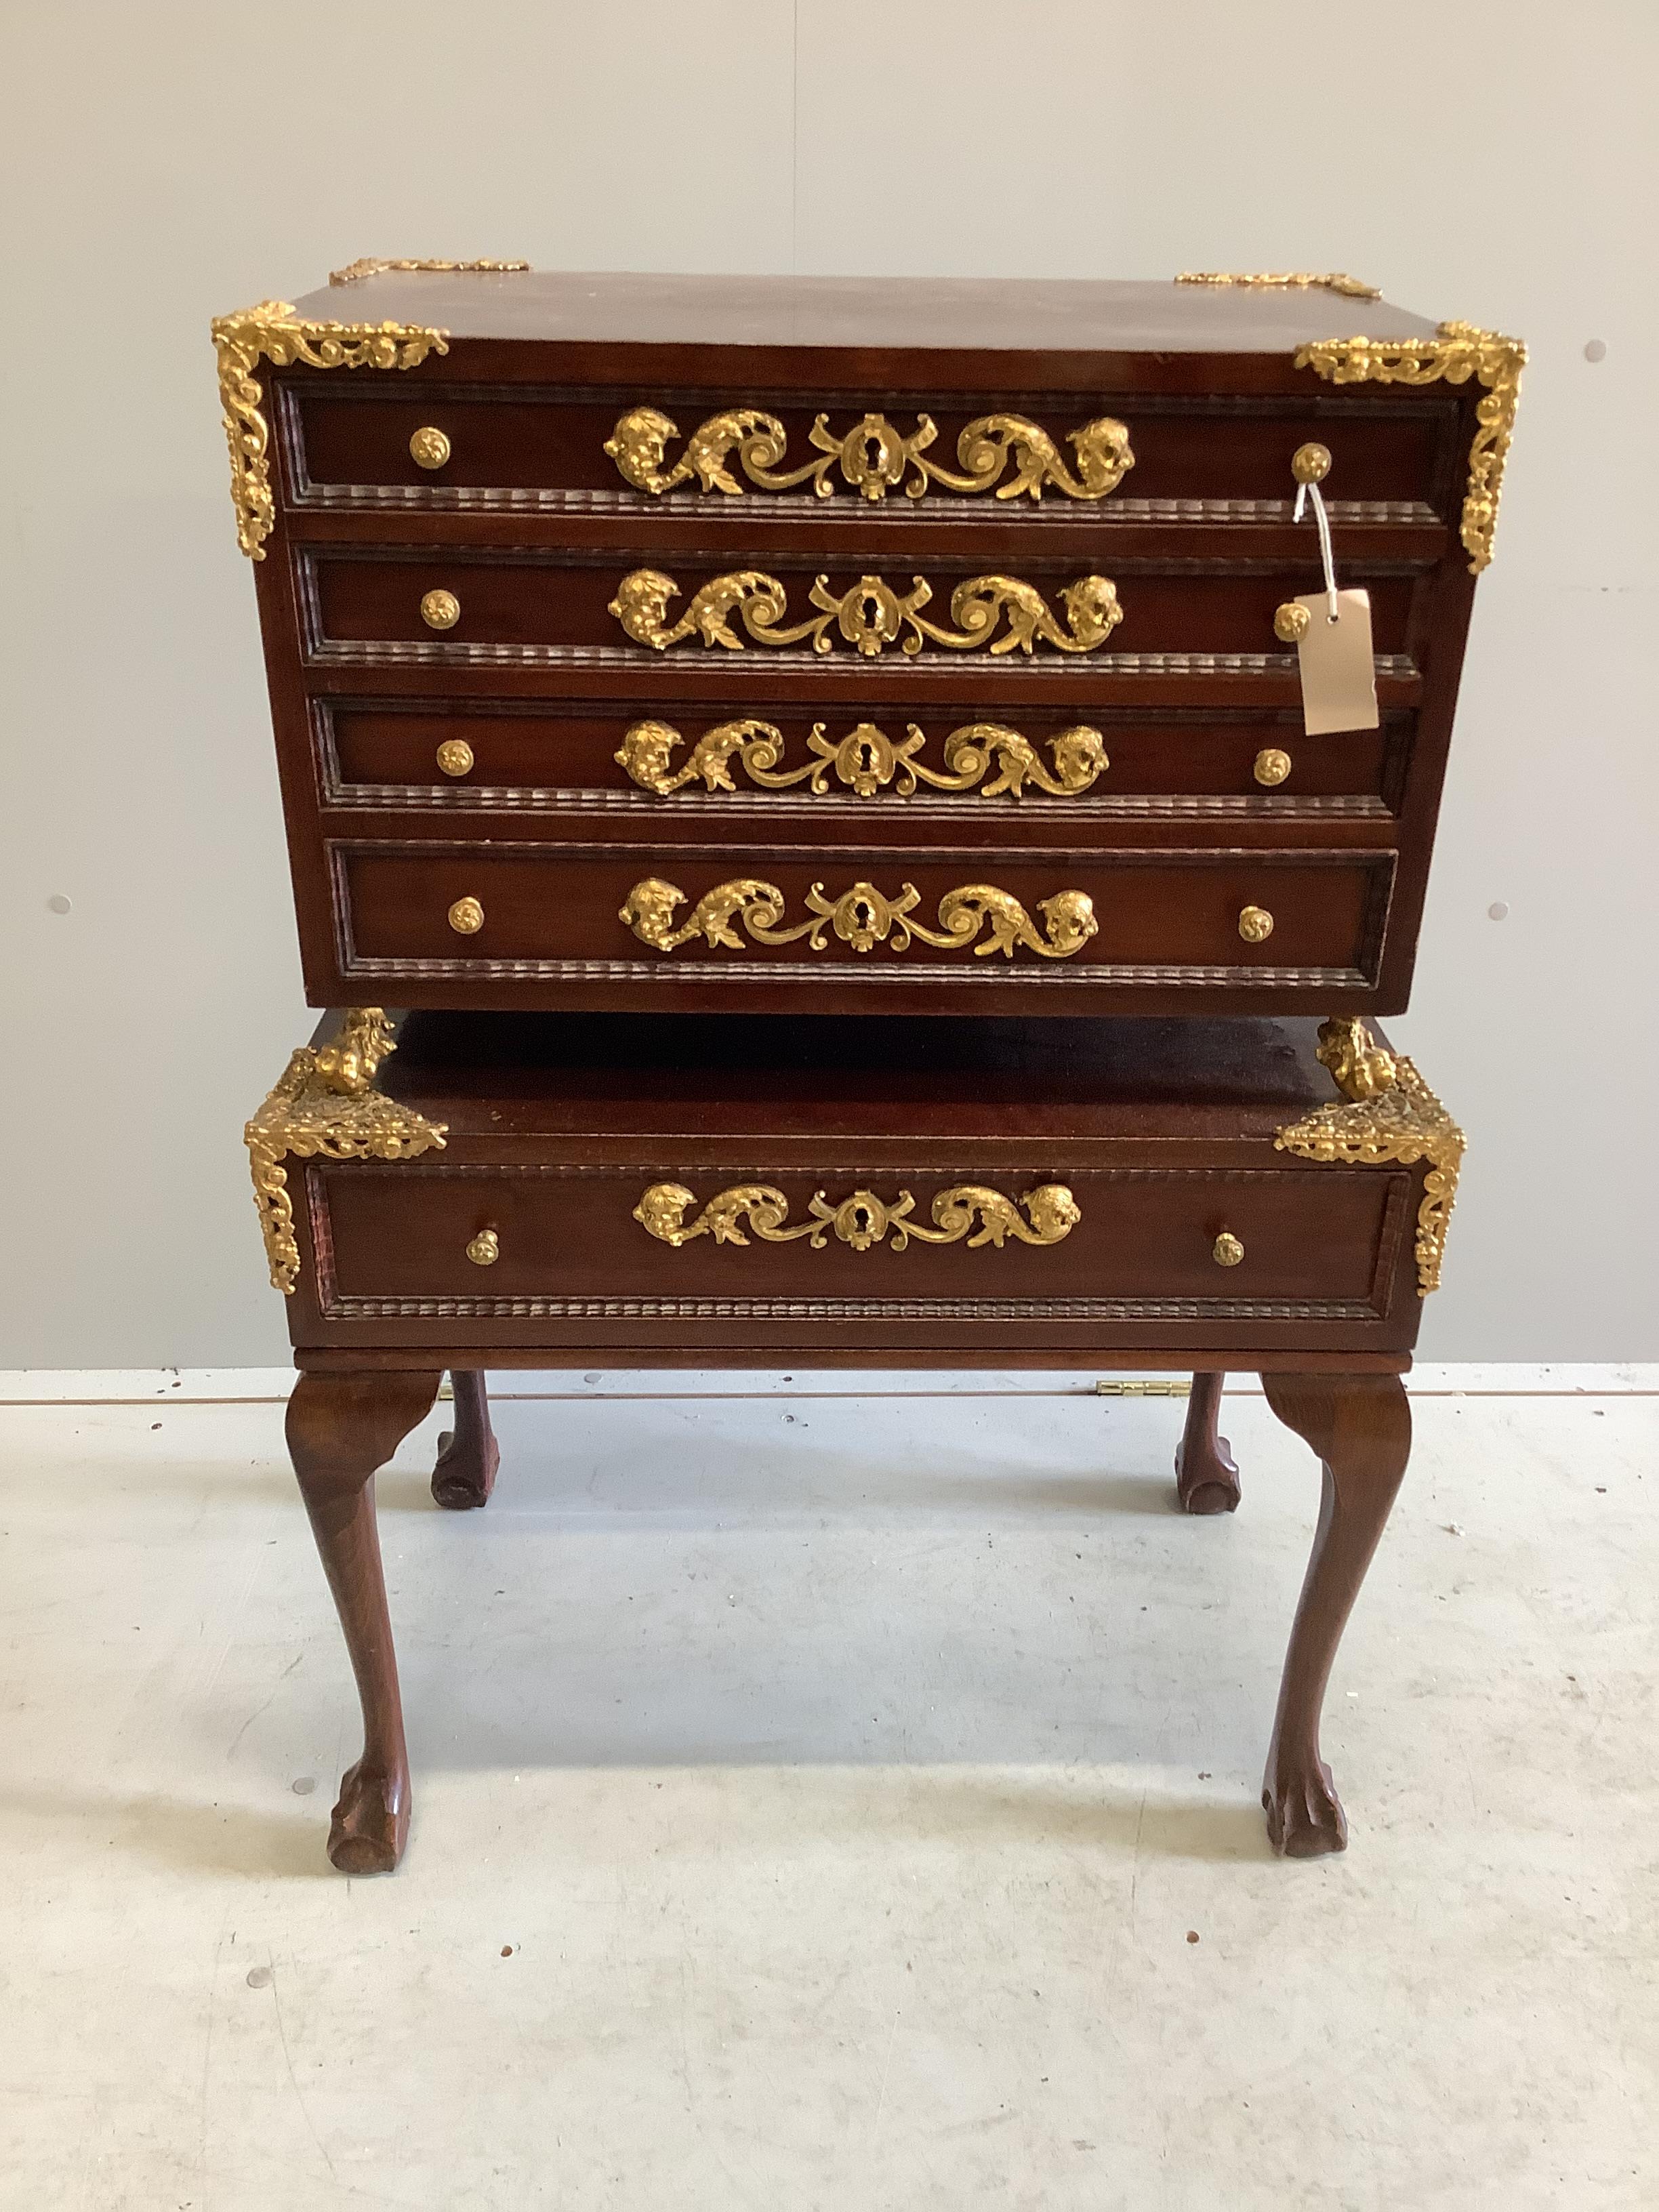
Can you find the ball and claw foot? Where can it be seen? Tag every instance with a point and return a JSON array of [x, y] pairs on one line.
[[1305, 1819], [370, 1825], [468, 1454], [1207, 1474]]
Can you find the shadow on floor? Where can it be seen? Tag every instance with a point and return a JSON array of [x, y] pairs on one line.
[[191, 1838]]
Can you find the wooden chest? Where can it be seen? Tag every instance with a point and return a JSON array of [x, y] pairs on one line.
[[743, 645]]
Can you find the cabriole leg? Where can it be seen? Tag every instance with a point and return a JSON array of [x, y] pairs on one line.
[[1207, 1480], [468, 1454], [1359, 1427], [340, 1429]]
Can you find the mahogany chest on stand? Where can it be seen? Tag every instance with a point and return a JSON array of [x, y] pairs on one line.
[[824, 768]]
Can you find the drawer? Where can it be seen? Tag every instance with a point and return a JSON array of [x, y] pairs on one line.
[[762, 756], [761, 1235], [446, 445], [861, 916], [881, 614]]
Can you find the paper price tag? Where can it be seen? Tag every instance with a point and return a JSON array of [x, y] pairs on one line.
[[1339, 678]]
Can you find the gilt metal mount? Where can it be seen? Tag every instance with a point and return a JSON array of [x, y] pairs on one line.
[[326, 1106]]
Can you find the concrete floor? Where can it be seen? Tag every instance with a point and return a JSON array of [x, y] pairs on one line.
[[817, 1800]]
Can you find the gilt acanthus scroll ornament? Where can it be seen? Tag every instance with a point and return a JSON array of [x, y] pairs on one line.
[[870, 614], [1359, 1067], [273, 331], [355, 272], [866, 761], [1402, 1124], [862, 918], [326, 1106], [862, 1221], [873, 457], [1299, 280], [1458, 352]]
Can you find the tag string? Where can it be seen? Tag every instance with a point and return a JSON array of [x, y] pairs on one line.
[[1323, 521]]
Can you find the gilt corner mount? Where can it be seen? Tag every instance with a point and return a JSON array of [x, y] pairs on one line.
[[1457, 352], [274, 332], [325, 1105], [1387, 1115]]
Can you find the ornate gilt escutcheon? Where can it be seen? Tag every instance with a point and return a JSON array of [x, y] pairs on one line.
[[862, 918], [866, 761], [870, 614], [861, 1221], [326, 1107], [873, 457]]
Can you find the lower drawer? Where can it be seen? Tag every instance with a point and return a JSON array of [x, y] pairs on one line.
[[679, 1238], [859, 919]]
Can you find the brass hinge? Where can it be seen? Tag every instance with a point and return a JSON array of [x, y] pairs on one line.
[[1143, 1389]]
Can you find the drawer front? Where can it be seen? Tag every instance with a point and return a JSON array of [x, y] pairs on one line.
[[889, 612], [861, 916], [443, 446], [764, 757], [769, 1240]]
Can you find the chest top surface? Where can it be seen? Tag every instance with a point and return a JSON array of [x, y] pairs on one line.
[[901, 313]]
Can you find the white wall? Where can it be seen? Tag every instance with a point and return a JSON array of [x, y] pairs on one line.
[[169, 161]]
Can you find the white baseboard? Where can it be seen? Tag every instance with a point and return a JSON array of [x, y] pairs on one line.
[[72, 1385]]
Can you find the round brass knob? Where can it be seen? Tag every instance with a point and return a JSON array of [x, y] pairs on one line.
[[485, 1248], [1255, 924], [429, 449], [440, 611], [1227, 1249], [1272, 766], [455, 758], [1290, 622], [466, 915], [1310, 464]]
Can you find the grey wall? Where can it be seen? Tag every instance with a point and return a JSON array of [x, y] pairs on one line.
[[167, 162]]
